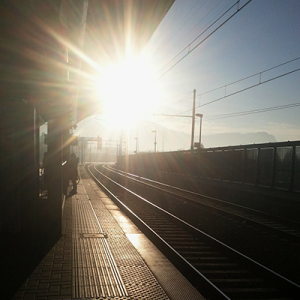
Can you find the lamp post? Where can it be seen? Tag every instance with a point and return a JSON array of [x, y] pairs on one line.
[[154, 140], [193, 120], [200, 115], [136, 144]]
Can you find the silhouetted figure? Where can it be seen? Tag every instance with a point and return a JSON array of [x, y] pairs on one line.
[[45, 167], [72, 171]]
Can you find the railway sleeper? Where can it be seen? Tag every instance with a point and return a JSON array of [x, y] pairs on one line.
[[216, 265], [199, 253], [195, 259], [165, 226], [239, 282], [186, 244], [173, 239], [227, 274], [170, 232], [256, 293], [188, 249], [183, 235]]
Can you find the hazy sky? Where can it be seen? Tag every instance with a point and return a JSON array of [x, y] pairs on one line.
[[264, 34], [261, 36]]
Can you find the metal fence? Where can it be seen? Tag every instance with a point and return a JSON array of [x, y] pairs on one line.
[[273, 165]]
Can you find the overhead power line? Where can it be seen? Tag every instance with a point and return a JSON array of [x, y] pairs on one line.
[[249, 87], [251, 112], [250, 76], [183, 21], [189, 45], [204, 39], [254, 111]]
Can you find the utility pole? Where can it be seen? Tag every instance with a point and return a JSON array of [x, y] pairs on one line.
[[163, 141], [193, 120], [136, 144], [200, 115], [121, 143], [154, 140]]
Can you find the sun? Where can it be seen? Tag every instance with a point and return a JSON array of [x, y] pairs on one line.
[[128, 92]]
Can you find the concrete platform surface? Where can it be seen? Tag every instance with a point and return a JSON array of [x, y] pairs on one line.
[[103, 255]]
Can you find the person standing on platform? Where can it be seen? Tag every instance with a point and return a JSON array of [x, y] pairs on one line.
[[72, 172], [45, 170]]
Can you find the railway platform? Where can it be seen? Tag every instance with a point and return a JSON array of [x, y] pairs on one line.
[[103, 255]]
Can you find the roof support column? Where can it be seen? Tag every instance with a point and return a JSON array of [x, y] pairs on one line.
[[55, 184]]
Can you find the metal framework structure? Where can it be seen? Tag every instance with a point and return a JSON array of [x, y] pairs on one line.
[[271, 165]]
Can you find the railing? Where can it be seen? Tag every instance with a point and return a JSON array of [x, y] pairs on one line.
[[273, 165]]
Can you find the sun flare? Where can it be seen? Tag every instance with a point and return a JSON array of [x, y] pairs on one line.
[[128, 92]]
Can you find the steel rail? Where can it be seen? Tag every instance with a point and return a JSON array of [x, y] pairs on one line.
[[289, 286], [216, 292], [258, 218]]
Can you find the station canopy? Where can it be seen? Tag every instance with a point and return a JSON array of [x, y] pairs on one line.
[[49, 49]]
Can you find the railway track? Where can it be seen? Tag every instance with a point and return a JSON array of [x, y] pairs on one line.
[[285, 229], [218, 271], [272, 246]]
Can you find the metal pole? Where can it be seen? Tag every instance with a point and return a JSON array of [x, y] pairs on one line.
[[55, 187], [200, 115], [127, 144], [90, 152], [121, 143], [163, 141], [193, 120], [83, 151], [136, 145], [293, 169], [117, 149], [154, 140]]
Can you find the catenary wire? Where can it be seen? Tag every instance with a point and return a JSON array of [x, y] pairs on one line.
[[245, 89], [249, 87], [254, 111], [242, 90], [204, 39], [205, 16], [250, 76], [171, 37], [183, 20], [188, 46]]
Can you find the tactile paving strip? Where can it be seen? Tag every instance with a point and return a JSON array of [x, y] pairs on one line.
[[139, 280], [94, 271]]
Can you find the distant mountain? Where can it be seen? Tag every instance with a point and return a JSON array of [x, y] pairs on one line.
[[166, 139], [234, 139]]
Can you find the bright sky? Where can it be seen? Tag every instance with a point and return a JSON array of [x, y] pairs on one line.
[[261, 36]]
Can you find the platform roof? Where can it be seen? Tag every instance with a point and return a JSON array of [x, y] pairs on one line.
[[34, 35], [115, 26]]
